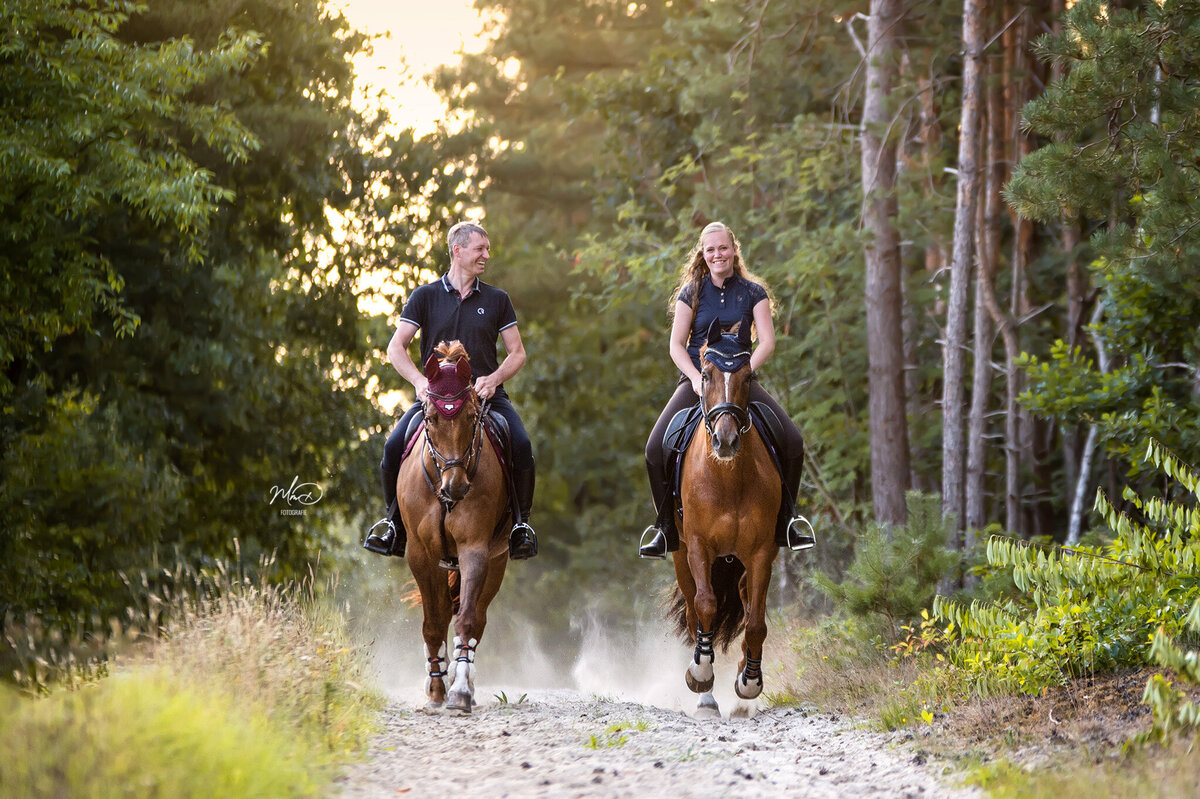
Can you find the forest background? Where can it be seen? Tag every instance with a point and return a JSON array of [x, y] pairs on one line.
[[978, 222]]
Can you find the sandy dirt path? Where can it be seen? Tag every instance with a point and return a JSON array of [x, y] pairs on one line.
[[563, 743]]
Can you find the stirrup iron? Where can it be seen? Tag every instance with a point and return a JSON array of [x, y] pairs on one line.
[[651, 531], [797, 539], [391, 541]]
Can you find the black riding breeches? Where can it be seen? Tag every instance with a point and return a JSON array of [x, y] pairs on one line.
[[791, 455]]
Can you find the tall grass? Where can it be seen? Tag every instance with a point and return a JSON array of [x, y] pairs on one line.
[[246, 689]]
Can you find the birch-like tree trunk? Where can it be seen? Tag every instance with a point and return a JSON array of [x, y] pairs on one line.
[[885, 340], [953, 452], [986, 246]]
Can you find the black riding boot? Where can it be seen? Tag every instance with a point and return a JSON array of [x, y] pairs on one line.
[[391, 540], [522, 541], [665, 537], [793, 530]]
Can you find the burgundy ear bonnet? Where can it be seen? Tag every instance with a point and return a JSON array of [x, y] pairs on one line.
[[449, 385]]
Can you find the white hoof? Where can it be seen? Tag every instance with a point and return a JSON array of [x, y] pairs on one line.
[[707, 707]]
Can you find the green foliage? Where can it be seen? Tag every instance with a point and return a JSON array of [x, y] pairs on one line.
[[1123, 131], [202, 151], [93, 127], [895, 571], [1085, 609], [1173, 711]]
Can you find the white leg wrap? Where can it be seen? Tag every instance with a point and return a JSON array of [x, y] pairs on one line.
[[442, 665], [464, 671], [748, 690], [702, 671]]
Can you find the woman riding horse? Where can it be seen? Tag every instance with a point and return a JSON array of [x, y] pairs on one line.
[[730, 496], [454, 499], [714, 284]]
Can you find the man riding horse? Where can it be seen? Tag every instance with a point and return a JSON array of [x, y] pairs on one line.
[[459, 306]]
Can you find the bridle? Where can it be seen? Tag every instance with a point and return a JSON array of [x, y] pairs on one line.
[[468, 461], [740, 415]]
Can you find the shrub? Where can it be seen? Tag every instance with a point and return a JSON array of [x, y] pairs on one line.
[[895, 571], [1085, 609]]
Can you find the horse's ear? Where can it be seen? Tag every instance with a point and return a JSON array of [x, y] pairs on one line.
[[743, 335], [464, 370], [431, 367], [714, 332]]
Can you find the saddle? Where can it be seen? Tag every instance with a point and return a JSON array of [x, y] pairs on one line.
[[680, 432], [496, 428]]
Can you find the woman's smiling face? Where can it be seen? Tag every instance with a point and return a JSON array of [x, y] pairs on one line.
[[717, 248]]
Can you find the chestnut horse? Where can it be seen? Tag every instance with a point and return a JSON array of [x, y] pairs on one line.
[[454, 502], [729, 503]]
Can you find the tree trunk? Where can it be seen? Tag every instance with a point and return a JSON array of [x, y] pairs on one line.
[[1075, 522], [885, 340], [953, 472], [986, 246]]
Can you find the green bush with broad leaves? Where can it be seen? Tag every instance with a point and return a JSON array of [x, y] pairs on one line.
[[1091, 609]]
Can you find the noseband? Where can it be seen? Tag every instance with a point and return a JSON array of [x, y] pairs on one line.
[[711, 415], [469, 461]]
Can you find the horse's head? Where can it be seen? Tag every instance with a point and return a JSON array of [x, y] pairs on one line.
[[452, 420], [725, 388]]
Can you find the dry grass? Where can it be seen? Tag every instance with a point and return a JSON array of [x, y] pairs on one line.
[[245, 685]]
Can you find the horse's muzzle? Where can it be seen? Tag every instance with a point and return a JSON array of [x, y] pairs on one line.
[[455, 484], [726, 443]]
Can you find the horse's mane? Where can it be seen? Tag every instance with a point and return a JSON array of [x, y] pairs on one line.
[[451, 352]]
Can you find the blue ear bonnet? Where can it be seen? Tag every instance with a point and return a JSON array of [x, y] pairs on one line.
[[727, 353]]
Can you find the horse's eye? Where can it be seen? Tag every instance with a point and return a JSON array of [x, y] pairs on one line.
[[703, 377]]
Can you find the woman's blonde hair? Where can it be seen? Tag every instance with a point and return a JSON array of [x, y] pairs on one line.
[[695, 270]]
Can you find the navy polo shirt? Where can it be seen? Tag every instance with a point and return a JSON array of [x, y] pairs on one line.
[[443, 315], [732, 304]]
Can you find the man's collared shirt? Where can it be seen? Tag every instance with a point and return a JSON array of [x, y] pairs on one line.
[[442, 314]]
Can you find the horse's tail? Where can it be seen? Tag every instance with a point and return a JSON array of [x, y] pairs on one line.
[[730, 618], [455, 592]]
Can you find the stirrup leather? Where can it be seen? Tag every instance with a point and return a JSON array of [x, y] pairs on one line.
[[642, 544], [797, 539]]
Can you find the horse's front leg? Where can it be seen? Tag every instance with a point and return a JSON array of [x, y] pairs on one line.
[[699, 675], [468, 627], [755, 582]]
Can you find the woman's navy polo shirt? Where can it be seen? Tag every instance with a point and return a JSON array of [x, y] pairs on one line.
[[732, 304], [443, 315]]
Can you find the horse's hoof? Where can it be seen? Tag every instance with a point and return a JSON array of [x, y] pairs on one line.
[[459, 701], [752, 689], [432, 707], [696, 686], [707, 707]]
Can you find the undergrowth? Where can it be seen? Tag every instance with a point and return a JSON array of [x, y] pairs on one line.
[[1087, 610], [234, 687]]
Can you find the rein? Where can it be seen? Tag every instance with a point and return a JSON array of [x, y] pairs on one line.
[[469, 461]]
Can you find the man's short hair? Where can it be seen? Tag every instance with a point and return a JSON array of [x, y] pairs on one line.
[[461, 233]]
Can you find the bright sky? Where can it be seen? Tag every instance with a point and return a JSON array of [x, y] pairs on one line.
[[420, 36]]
